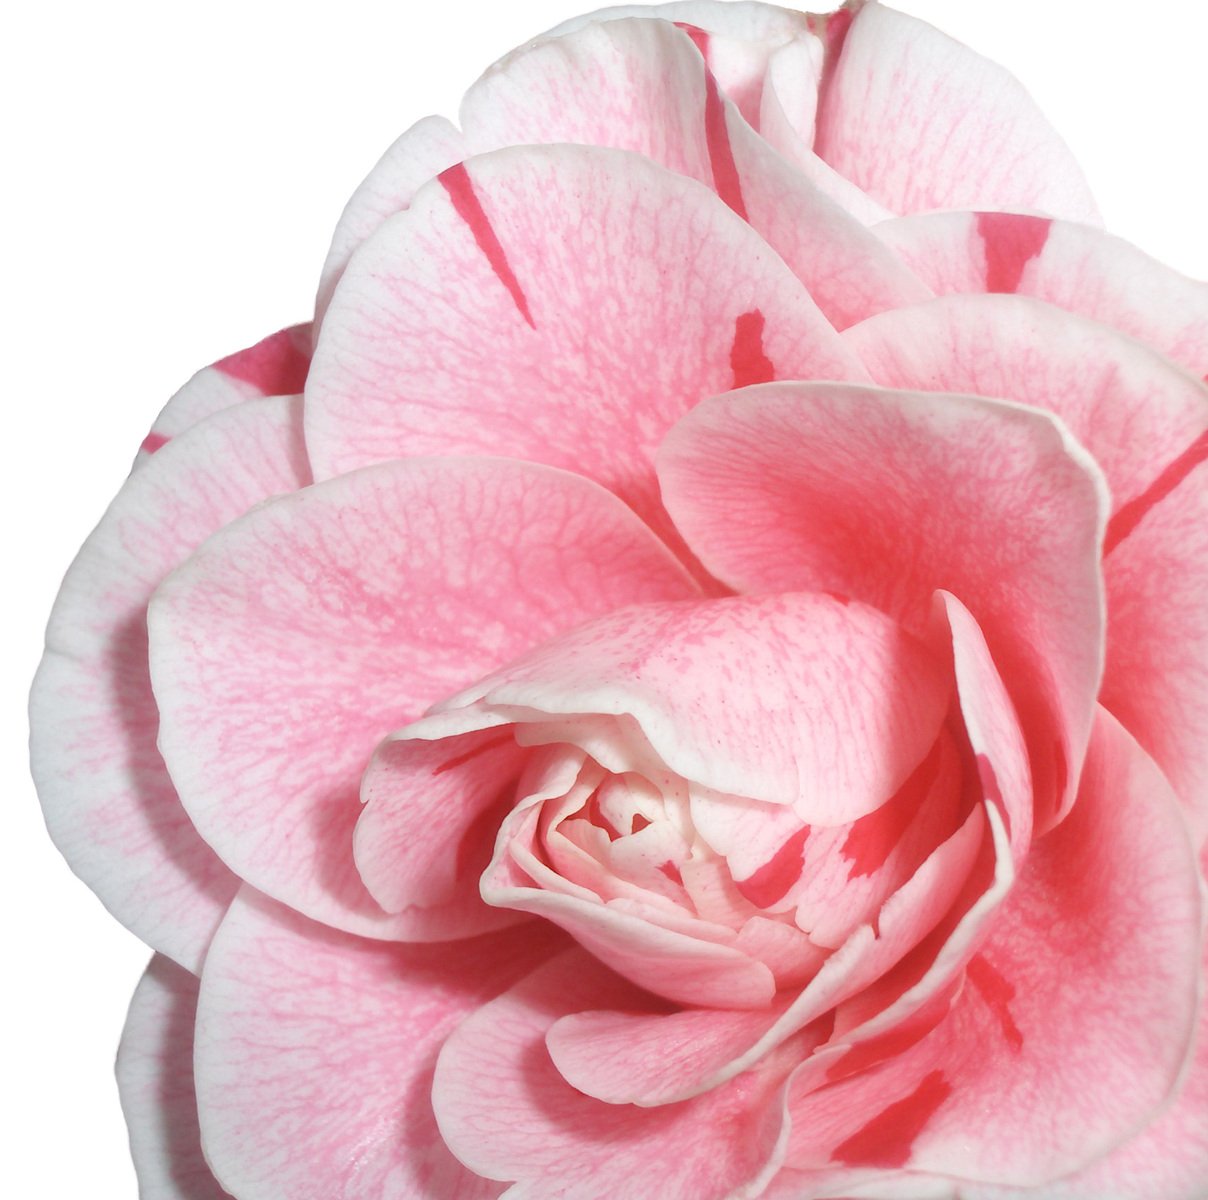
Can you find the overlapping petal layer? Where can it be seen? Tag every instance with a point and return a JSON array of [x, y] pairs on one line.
[[107, 797]]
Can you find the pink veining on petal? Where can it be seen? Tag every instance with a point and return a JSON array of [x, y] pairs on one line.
[[1128, 516], [887, 1139], [998, 992], [747, 358], [152, 442], [277, 365], [1011, 241], [832, 29], [457, 182]]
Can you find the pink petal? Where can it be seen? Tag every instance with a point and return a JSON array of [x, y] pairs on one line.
[[432, 812], [315, 1053], [1146, 423], [919, 122], [1087, 987], [887, 496], [421, 153], [756, 696], [109, 803], [642, 86], [465, 326], [274, 366], [297, 638], [505, 1111], [155, 1078], [1078, 268]]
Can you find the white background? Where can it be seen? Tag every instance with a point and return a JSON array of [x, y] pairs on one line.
[[173, 172]]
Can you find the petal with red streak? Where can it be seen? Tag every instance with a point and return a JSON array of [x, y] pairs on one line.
[[888, 496], [274, 366], [315, 1054], [920, 122], [564, 304], [1076, 1018], [641, 86], [297, 638], [1076, 267], [109, 803], [155, 1080], [1146, 423]]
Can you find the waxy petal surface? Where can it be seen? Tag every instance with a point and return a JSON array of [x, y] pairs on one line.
[[920, 122], [315, 1053], [155, 1080], [1073, 1027], [1146, 423], [1076, 267], [563, 304], [296, 639], [507, 1113], [888, 496], [108, 800]]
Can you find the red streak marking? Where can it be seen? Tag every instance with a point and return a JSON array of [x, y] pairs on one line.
[[152, 442], [887, 1139], [896, 1041], [998, 994], [832, 29], [721, 154], [638, 823], [276, 366], [699, 36], [481, 748], [672, 872], [1011, 241], [747, 359], [1129, 516], [871, 839], [773, 880], [457, 182]]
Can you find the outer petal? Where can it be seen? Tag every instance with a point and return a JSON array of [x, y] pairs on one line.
[[274, 366], [296, 639], [315, 1053], [155, 1078], [1146, 423], [506, 1112], [919, 122], [563, 304], [1075, 267], [109, 803], [888, 496], [427, 148], [1072, 1029], [642, 86]]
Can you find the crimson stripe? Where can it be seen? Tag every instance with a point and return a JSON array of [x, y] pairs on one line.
[[1129, 516], [276, 366], [747, 359], [457, 182], [1011, 241], [721, 154], [998, 992], [153, 441]]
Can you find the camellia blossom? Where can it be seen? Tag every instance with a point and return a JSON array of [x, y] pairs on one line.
[[689, 678]]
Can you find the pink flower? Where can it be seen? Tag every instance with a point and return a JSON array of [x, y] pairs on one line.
[[704, 692]]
